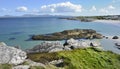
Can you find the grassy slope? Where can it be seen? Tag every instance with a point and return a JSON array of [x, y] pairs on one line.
[[82, 59], [5, 66]]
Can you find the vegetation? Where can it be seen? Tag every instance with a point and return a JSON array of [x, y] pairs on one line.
[[109, 17], [90, 58], [36, 67], [5, 66]]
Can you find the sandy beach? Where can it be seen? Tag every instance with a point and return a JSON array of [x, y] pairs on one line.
[[108, 21]]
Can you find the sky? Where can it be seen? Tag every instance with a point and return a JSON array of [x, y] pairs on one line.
[[60, 7]]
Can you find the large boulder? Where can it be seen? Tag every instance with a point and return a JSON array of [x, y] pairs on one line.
[[115, 37], [11, 55], [47, 46], [72, 43]]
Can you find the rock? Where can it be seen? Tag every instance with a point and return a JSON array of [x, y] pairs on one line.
[[58, 63], [72, 43], [67, 48], [21, 67], [115, 37], [67, 34], [56, 46], [2, 44], [47, 46], [11, 55], [32, 63], [95, 43]]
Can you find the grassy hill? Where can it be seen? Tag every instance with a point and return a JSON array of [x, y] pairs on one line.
[[90, 58]]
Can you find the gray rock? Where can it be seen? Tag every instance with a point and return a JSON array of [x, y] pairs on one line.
[[47, 46], [54, 62], [2, 44], [70, 44], [82, 43], [32, 63], [11, 55], [21, 67], [115, 37]]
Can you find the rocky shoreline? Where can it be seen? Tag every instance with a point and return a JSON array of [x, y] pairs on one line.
[[67, 34], [70, 44], [46, 53]]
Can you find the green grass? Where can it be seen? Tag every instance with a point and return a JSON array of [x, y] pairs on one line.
[[36, 67], [5, 66], [90, 58]]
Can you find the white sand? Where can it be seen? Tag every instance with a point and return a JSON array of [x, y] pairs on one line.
[[108, 21]]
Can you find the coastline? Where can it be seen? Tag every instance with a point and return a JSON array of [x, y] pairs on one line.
[[108, 21]]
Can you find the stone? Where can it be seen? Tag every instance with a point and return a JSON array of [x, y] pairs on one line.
[[57, 63], [2, 44], [72, 43], [47, 46], [95, 43], [115, 37], [21, 67], [32, 63], [11, 55], [55, 46]]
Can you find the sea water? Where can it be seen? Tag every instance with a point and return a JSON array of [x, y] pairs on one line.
[[17, 31]]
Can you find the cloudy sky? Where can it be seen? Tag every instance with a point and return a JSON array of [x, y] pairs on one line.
[[59, 7]]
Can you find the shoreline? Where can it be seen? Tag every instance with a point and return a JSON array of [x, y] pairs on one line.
[[108, 21]]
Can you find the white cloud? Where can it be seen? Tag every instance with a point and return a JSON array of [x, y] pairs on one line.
[[107, 9], [61, 7], [22, 9], [103, 10], [111, 7], [93, 8]]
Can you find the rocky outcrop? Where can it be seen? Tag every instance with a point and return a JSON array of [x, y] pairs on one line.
[[21, 67], [115, 37], [47, 46], [11, 55], [70, 44], [67, 34]]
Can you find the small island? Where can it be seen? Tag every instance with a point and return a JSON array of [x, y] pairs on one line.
[[67, 34]]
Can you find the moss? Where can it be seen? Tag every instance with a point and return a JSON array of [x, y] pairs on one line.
[[5, 66], [36, 67], [89, 58], [43, 57], [25, 63]]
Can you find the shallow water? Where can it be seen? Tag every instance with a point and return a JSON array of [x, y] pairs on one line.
[[16, 31]]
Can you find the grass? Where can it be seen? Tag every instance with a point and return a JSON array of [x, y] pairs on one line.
[[90, 58], [5, 66], [36, 67]]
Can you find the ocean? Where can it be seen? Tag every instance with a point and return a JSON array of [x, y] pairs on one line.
[[17, 31]]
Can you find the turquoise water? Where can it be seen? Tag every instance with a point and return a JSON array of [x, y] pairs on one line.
[[16, 31]]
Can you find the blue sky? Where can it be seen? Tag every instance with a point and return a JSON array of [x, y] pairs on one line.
[[59, 7]]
